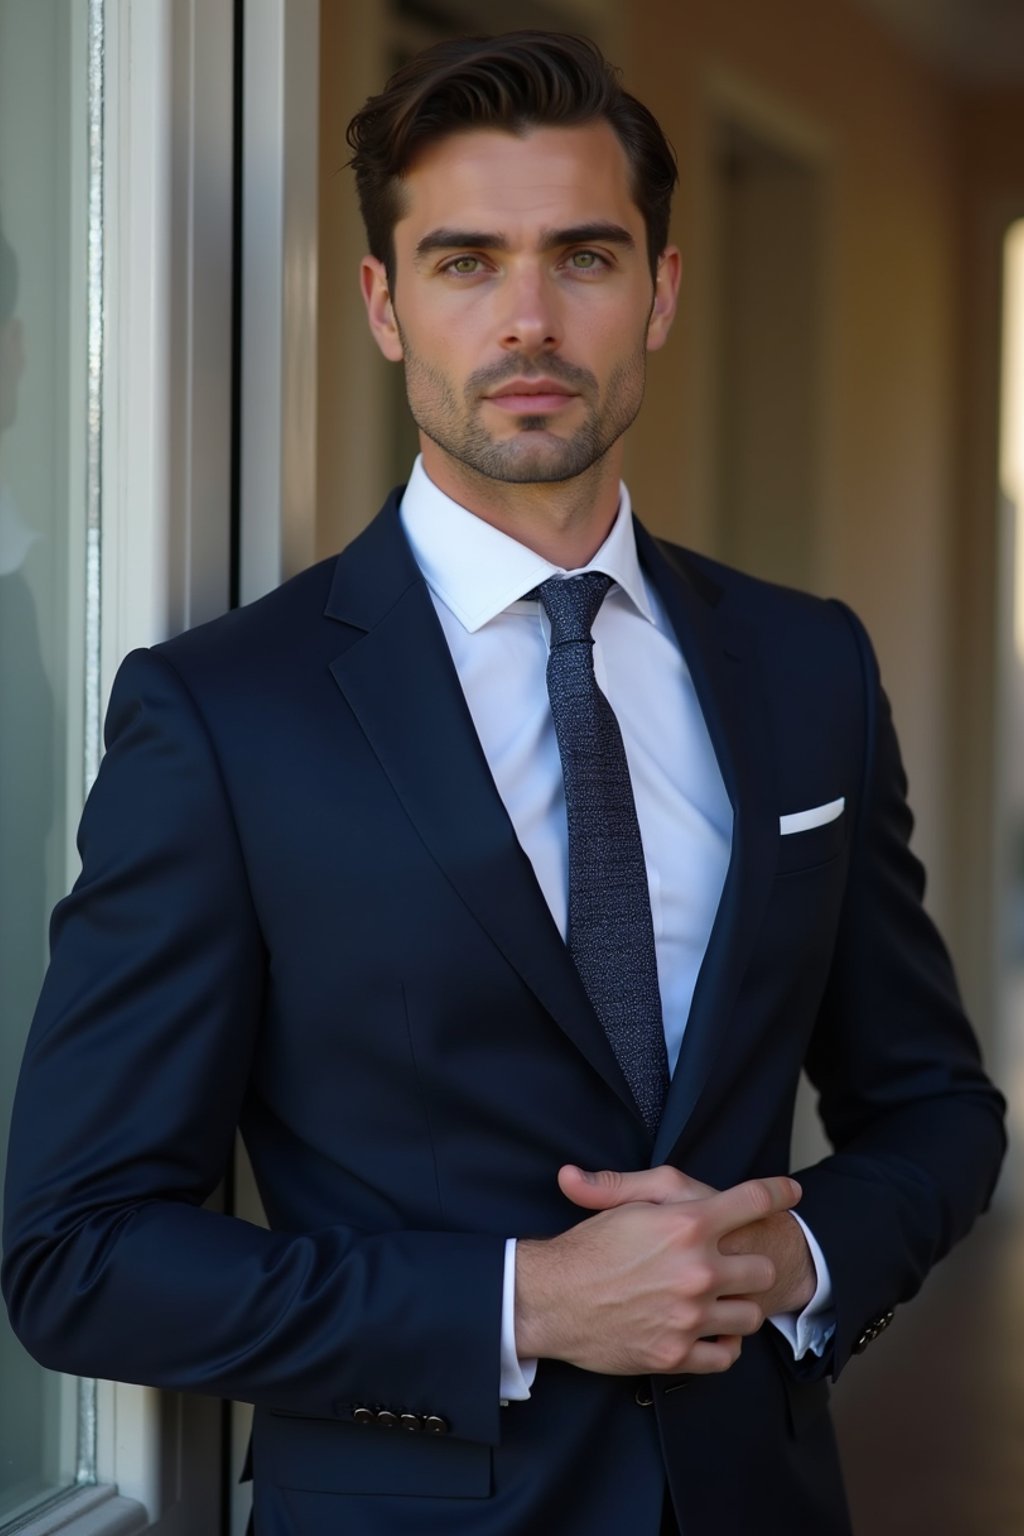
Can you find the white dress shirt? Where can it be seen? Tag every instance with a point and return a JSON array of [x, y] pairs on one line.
[[477, 576]]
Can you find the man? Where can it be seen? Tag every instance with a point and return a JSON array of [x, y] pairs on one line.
[[497, 878]]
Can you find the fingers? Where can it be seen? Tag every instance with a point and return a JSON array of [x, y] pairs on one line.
[[709, 1357], [752, 1201], [750, 1275], [723, 1328], [739, 1317], [606, 1188]]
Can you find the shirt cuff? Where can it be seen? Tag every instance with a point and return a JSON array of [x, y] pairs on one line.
[[812, 1328], [516, 1375]]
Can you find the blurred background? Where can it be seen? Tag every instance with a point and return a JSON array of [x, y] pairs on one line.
[[191, 409]]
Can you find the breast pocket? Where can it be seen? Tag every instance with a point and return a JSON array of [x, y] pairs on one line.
[[806, 850], [327, 1456]]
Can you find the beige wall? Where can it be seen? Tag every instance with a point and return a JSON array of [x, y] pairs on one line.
[[991, 134], [351, 373], [907, 165], [883, 135]]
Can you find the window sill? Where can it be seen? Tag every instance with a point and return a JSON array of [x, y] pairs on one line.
[[97, 1511]]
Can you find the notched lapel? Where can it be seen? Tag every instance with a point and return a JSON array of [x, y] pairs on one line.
[[401, 685], [720, 656]]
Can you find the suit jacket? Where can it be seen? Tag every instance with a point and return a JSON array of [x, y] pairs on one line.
[[303, 911]]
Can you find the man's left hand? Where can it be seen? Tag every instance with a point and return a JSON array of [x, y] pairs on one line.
[[777, 1237]]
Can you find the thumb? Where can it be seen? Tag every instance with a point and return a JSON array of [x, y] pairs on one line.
[[605, 1188]]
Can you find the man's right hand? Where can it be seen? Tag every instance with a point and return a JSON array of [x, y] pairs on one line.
[[643, 1288]]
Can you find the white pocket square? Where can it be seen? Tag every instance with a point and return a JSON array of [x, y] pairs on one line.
[[817, 816]]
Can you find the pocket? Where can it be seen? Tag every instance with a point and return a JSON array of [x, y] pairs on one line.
[[327, 1456], [805, 850]]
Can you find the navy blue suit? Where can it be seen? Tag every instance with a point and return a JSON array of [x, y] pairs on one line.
[[303, 911]]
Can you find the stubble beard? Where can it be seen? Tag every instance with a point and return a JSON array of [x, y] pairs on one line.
[[535, 454]]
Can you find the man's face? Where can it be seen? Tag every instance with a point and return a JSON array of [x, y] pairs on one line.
[[523, 307], [12, 366]]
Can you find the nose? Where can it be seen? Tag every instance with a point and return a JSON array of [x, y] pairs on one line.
[[530, 322]]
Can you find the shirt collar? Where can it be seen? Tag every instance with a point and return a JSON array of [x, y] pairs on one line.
[[477, 571]]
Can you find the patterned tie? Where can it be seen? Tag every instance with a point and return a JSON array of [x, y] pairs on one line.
[[611, 934]]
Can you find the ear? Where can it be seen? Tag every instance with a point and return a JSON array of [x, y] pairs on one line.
[[666, 297], [373, 280]]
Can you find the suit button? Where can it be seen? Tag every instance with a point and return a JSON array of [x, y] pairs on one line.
[[871, 1331], [412, 1422], [386, 1419], [363, 1415], [435, 1425], [643, 1397]]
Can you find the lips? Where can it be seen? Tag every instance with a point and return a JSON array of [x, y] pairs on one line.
[[532, 396]]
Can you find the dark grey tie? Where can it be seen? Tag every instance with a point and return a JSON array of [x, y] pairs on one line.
[[611, 934]]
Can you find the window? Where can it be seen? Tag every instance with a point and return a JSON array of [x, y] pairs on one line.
[[49, 598]]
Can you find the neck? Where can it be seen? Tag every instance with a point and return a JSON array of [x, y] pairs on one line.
[[565, 521]]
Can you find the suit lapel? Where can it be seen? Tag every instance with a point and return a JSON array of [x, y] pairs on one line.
[[719, 654], [398, 679]]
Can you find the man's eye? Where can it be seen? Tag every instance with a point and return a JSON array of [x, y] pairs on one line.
[[464, 266], [586, 261]]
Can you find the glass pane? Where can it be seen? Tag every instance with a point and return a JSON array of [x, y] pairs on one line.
[[44, 119]]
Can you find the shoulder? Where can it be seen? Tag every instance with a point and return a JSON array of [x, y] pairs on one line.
[[244, 662], [795, 632], [281, 622]]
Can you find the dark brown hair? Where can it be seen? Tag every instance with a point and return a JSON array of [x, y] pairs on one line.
[[513, 82]]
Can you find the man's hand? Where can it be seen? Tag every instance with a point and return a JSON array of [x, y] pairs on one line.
[[645, 1285], [778, 1237]]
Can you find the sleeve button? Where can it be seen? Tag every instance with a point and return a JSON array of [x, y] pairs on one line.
[[411, 1422], [386, 1419], [435, 1425], [361, 1415]]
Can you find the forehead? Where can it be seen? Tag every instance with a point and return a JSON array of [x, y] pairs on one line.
[[491, 179]]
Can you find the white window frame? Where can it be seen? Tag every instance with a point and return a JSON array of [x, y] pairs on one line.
[[280, 246]]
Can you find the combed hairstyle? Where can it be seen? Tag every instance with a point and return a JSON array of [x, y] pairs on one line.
[[8, 279], [514, 82]]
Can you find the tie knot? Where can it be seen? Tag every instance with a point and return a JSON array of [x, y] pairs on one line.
[[572, 603]]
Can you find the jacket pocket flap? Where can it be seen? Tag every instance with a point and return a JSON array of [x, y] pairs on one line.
[[329, 1456]]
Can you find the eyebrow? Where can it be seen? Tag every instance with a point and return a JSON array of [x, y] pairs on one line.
[[447, 239]]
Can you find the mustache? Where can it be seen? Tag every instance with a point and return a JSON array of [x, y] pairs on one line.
[[485, 380]]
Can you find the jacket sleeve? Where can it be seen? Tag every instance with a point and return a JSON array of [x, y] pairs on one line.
[[916, 1125], [130, 1093]]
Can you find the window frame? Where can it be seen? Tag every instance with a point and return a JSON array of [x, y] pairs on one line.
[[159, 413]]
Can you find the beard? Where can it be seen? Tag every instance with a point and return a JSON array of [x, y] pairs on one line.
[[533, 454]]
